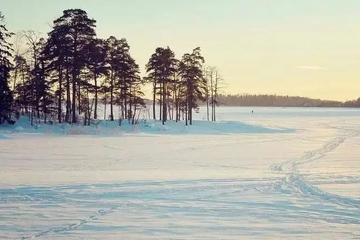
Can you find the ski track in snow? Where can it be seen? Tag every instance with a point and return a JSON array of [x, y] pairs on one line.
[[298, 185], [69, 227], [210, 203], [291, 165]]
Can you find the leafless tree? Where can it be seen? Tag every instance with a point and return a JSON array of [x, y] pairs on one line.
[[18, 45], [32, 39], [215, 84]]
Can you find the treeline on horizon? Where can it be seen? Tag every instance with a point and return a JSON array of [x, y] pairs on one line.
[[65, 76], [265, 100]]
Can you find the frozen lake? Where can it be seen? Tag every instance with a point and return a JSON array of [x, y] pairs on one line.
[[288, 173]]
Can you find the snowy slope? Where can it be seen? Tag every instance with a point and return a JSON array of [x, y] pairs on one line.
[[113, 128]]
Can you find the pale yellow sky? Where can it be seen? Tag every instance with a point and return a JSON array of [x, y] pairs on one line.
[[308, 48]]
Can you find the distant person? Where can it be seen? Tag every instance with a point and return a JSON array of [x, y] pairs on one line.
[[252, 111]]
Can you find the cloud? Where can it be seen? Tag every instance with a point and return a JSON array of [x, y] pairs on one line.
[[311, 67]]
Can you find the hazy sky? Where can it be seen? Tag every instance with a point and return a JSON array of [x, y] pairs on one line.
[[296, 47]]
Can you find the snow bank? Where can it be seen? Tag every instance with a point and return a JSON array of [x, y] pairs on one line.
[[205, 128], [108, 128]]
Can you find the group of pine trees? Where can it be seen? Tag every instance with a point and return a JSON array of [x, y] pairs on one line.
[[67, 75]]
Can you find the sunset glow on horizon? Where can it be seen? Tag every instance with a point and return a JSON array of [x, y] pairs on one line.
[[308, 48]]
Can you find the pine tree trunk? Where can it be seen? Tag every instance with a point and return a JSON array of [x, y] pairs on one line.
[[111, 96], [176, 105], [133, 116], [212, 97], [74, 99], [160, 106], [129, 104], [23, 94], [178, 111], [96, 97], [164, 117], [154, 101], [74, 81], [37, 109], [190, 110], [170, 113], [215, 101], [60, 96], [79, 97], [105, 99], [186, 109], [68, 100], [174, 98], [214, 114], [215, 93], [207, 106], [15, 77], [88, 107], [126, 114]]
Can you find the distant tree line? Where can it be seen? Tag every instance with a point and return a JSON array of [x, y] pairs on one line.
[[67, 74], [352, 103], [280, 101]]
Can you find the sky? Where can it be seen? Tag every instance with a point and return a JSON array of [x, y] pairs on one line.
[[307, 48]]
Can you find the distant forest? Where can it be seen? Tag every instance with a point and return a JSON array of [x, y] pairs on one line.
[[264, 100]]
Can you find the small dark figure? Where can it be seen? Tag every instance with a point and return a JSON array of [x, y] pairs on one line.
[[252, 111]]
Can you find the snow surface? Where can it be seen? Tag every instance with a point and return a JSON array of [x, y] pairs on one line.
[[280, 173]]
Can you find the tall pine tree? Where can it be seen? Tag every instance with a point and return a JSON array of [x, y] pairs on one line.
[[76, 30], [96, 64], [161, 69], [5, 67], [193, 81]]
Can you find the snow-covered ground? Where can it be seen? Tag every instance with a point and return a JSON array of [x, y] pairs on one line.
[[280, 173]]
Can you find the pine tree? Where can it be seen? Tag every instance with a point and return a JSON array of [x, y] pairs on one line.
[[6, 97], [115, 59], [130, 82], [193, 81], [42, 85], [76, 30], [179, 92], [57, 53], [161, 68], [96, 63]]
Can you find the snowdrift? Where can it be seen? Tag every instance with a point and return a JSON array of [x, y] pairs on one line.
[[108, 128]]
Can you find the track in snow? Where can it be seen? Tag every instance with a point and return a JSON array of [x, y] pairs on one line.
[[295, 183]]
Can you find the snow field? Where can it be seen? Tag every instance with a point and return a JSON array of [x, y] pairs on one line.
[[280, 174]]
